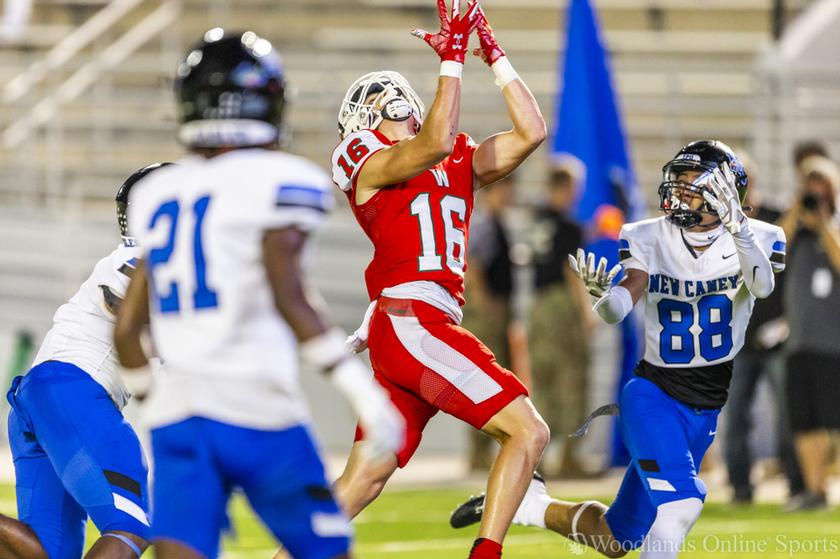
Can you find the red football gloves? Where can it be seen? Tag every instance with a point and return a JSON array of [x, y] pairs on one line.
[[451, 41], [490, 51]]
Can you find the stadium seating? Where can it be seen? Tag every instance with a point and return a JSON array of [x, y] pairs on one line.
[[683, 69]]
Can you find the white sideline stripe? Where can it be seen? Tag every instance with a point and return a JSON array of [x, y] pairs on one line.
[[130, 508], [475, 384], [660, 485]]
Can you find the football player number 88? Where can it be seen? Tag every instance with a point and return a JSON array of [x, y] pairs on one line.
[[714, 317], [203, 297], [430, 259]]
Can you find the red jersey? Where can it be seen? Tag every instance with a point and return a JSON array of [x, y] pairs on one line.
[[419, 228]]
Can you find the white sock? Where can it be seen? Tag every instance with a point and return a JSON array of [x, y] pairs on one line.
[[672, 524], [531, 511]]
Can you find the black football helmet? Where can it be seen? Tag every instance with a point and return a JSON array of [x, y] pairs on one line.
[[122, 198], [231, 91], [702, 156]]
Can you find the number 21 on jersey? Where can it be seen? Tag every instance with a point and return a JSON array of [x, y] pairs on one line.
[[430, 259], [166, 297]]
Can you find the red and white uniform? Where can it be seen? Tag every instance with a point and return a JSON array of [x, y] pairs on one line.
[[419, 230]]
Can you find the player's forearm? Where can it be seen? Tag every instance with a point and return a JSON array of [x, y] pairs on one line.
[[755, 265], [298, 305], [437, 136]]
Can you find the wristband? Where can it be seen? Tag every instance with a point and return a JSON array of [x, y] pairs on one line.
[[325, 349], [614, 305], [504, 72], [451, 69], [138, 381]]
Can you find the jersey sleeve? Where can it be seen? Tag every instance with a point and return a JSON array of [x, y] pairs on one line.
[[351, 154], [112, 276], [778, 250], [302, 201], [630, 248]]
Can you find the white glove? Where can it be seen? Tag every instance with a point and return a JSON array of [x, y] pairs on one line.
[[382, 423], [357, 342], [596, 280], [722, 196]]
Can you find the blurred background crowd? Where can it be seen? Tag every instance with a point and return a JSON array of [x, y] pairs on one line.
[[85, 100]]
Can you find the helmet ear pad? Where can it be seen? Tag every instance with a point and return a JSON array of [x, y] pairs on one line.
[[396, 109]]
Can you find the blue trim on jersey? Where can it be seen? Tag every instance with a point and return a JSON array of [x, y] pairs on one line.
[[667, 441], [779, 246], [132, 262], [303, 196], [75, 456], [279, 471], [623, 244]]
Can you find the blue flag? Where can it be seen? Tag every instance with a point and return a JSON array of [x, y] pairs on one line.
[[589, 128]]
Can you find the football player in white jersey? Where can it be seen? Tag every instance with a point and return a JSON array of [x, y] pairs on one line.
[[221, 278], [75, 456], [698, 271]]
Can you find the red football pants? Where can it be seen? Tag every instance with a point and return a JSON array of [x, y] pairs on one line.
[[428, 363]]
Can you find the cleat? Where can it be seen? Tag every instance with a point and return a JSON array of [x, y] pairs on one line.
[[468, 513], [471, 511]]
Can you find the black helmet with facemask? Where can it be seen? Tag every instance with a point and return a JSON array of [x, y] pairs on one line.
[[701, 157]]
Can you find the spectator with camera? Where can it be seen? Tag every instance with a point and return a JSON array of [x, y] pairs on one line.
[[812, 307]]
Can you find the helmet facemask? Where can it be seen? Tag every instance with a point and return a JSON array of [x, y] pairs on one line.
[[395, 100], [677, 197]]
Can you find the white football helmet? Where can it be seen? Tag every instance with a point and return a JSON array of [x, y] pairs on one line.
[[396, 101]]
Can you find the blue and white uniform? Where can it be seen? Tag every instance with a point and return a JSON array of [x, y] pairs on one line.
[[229, 410], [75, 456], [696, 310]]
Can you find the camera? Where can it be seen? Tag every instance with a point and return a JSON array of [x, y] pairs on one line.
[[810, 202]]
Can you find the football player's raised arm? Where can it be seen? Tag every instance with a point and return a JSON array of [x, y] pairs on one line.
[[436, 138], [722, 195], [500, 154], [408, 158]]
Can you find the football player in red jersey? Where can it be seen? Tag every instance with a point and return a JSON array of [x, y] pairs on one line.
[[410, 179]]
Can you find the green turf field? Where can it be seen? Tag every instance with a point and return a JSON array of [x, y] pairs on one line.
[[412, 525]]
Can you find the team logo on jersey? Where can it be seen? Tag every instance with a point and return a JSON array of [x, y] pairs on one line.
[[440, 177]]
